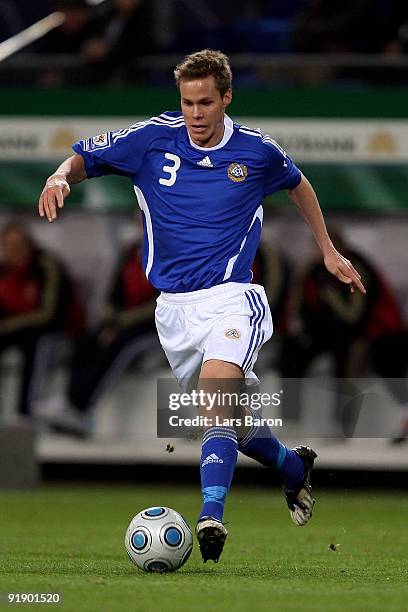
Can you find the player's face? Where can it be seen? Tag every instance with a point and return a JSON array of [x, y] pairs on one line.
[[203, 110]]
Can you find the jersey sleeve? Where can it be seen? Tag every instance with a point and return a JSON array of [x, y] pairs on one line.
[[119, 152], [280, 172]]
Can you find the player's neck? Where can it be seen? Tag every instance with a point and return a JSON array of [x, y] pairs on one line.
[[212, 141]]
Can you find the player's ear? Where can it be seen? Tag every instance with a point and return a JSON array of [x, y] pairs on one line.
[[227, 99]]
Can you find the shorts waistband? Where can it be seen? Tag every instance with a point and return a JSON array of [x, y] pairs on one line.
[[202, 295]]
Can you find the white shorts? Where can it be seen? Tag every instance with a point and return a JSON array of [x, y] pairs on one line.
[[229, 322]]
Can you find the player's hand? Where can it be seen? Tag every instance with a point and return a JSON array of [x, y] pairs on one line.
[[344, 270], [55, 191]]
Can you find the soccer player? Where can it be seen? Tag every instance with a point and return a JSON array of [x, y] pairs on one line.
[[200, 180]]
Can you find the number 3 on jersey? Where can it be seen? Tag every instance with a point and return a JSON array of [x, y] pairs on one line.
[[172, 170]]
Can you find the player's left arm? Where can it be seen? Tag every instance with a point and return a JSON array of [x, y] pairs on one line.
[[305, 199]]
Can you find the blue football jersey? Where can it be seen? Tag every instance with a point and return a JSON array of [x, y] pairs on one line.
[[202, 207]]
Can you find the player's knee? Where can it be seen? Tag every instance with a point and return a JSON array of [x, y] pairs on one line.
[[219, 369]]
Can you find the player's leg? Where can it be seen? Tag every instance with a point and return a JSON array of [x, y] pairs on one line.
[[293, 465], [258, 441], [245, 324], [181, 338], [218, 379]]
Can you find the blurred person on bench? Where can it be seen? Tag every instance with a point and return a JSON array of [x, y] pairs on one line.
[[124, 36], [124, 335], [37, 301], [360, 334], [272, 270]]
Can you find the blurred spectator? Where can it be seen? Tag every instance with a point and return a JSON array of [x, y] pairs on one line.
[[280, 10], [345, 325], [108, 40], [126, 35], [272, 270], [266, 27], [30, 12], [79, 25], [389, 358], [330, 26], [359, 26], [36, 299], [10, 20], [392, 24], [15, 15], [125, 334]]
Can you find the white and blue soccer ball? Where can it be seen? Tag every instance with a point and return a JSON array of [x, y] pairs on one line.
[[158, 539]]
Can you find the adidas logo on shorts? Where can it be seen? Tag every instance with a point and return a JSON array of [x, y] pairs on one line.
[[213, 458]]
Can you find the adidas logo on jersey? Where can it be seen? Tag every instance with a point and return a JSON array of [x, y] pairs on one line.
[[213, 458], [206, 162]]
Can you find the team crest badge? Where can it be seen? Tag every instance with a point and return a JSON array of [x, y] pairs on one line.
[[233, 334], [237, 172]]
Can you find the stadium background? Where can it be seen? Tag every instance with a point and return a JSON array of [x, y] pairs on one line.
[[340, 109]]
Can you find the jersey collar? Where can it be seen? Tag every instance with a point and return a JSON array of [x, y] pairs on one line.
[[228, 131]]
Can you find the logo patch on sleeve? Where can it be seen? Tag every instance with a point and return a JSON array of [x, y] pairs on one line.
[[98, 142]]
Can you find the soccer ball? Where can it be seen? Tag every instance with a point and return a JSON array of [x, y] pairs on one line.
[[158, 539]]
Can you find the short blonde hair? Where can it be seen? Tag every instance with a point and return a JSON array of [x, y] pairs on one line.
[[205, 63]]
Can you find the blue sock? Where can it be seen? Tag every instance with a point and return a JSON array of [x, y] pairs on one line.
[[260, 444], [218, 460]]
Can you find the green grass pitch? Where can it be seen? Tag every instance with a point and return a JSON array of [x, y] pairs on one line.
[[70, 540]]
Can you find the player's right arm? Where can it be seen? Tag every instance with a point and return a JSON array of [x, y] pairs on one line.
[[57, 186], [120, 152]]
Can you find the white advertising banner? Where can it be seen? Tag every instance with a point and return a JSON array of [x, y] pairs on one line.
[[306, 140]]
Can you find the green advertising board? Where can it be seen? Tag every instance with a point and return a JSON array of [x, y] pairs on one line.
[[352, 144]]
